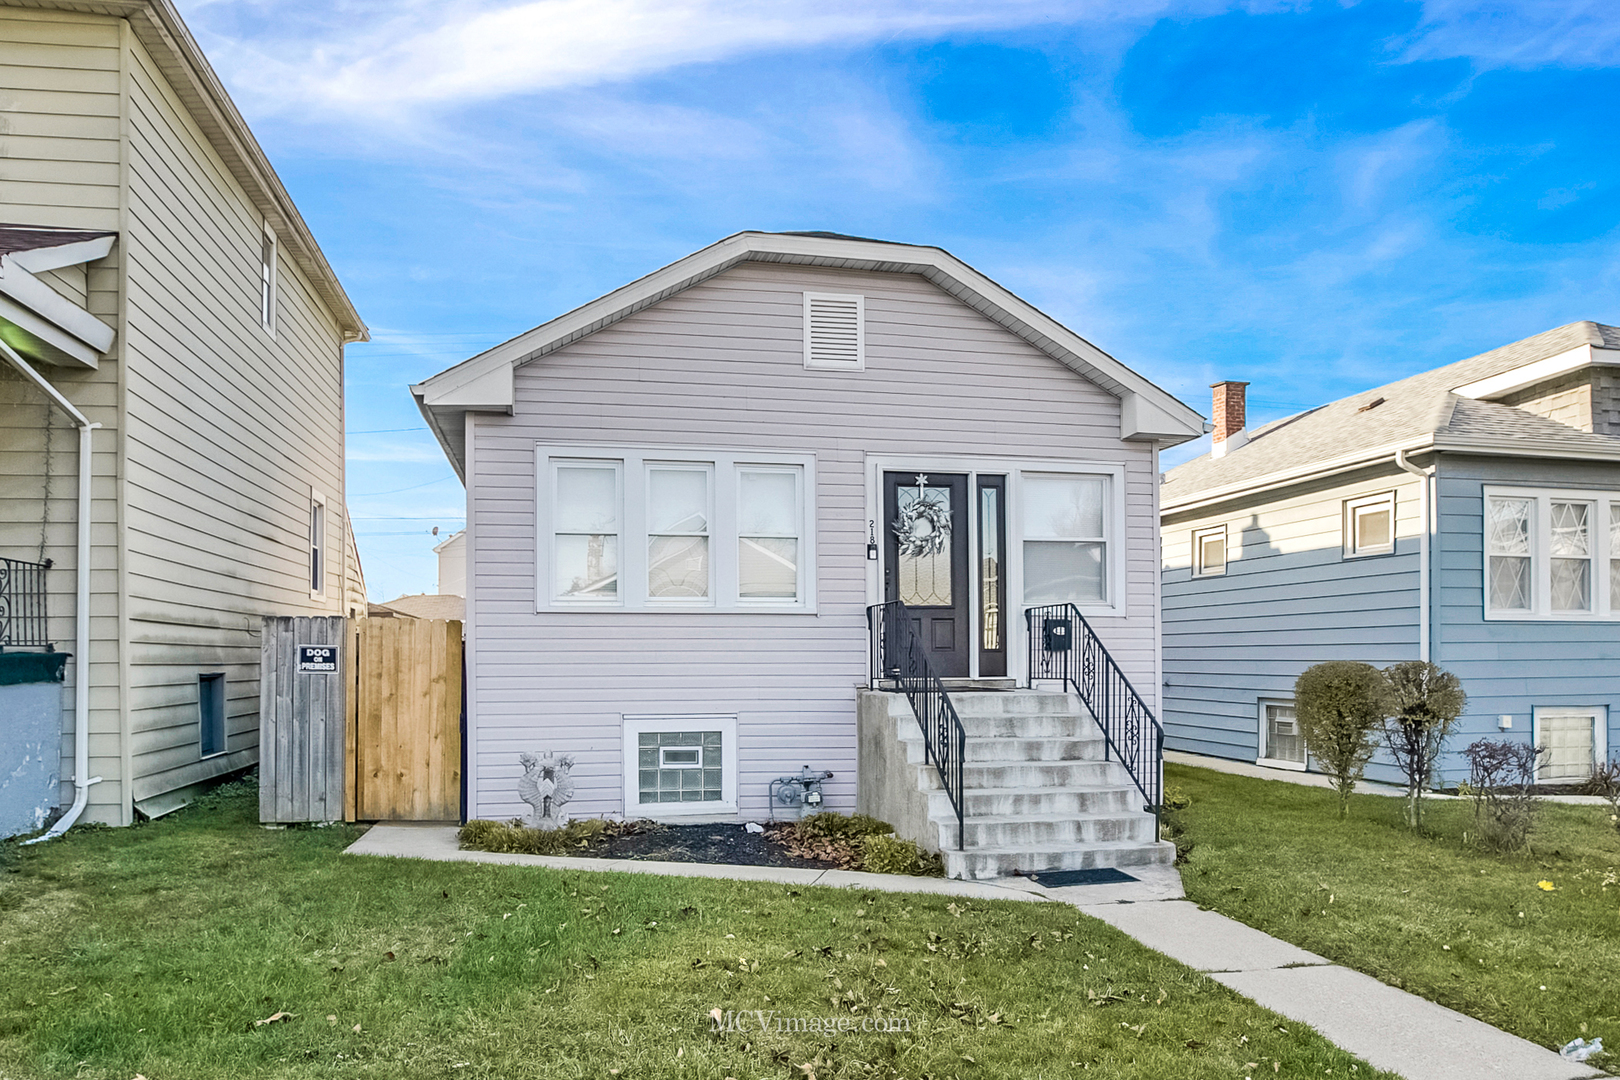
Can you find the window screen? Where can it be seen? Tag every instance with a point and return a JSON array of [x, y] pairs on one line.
[[1283, 740]]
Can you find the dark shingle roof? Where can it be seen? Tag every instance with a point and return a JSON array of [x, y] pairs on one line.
[[15, 238], [1414, 407]]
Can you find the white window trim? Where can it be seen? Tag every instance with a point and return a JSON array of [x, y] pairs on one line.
[[1540, 557], [860, 332], [317, 498], [635, 725], [1600, 728], [1261, 747], [1351, 550], [268, 304], [1198, 538], [633, 462]]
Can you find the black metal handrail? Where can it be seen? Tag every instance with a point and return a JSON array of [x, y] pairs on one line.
[[1064, 648], [898, 658], [22, 604]]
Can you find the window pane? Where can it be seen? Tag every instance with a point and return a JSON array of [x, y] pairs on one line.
[[1212, 554], [677, 501], [1570, 531], [1614, 563], [1064, 507], [587, 566], [689, 774], [767, 503], [1510, 583], [1372, 528], [1568, 740], [767, 567], [1283, 741], [1510, 526], [1572, 584], [1057, 572], [990, 527], [678, 566], [587, 499], [925, 573]]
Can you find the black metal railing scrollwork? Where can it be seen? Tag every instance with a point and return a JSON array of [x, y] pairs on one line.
[[22, 604], [1064, 648], [898, 660]]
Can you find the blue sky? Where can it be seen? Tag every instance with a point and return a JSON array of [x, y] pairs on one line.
[[1314, 197]]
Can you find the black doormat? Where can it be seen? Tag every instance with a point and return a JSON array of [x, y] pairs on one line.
[[1102, 875]]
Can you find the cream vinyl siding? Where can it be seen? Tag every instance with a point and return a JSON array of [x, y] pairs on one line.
[[721, 365], [230, 430], [59, 165]]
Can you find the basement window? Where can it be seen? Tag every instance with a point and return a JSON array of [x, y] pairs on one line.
[[1281, 744], [680, 765], [834, 332], [211, 713]]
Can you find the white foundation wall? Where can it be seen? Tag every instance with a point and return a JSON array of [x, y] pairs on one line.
[[720, 366]]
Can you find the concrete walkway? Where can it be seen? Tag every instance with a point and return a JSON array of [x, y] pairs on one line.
[[1319, 780], [1388, 1028]]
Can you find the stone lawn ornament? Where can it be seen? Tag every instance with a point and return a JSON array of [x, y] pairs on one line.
[[545, 785]]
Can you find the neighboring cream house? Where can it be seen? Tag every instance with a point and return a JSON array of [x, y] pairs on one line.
[[157, 281]]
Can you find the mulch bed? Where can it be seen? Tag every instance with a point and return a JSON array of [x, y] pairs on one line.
[[701, 844]]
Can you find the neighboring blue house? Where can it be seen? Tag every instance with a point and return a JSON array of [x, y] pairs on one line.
[[1469, 515]]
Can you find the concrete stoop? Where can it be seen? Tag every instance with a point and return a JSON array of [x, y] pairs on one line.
[[1039, 793]]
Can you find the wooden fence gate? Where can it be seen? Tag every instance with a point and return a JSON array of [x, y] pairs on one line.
[[360, 721], [405, 695]]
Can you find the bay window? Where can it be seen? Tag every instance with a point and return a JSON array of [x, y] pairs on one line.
[[1551, 554], [648, 530]]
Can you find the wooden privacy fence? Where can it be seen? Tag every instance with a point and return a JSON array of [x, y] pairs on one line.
[[360, 719]]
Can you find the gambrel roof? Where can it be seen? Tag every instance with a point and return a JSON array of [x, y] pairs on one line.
[[1435, 410], [484, 383]]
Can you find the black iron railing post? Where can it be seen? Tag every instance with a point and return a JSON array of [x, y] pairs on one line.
[[898, 657], [1130, 731]]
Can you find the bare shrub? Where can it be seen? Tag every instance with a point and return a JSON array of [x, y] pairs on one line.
[[1502, 779], [1427, 700]]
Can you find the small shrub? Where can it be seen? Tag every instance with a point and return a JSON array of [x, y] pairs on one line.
[[888, 854], [832, 826], [514, 837], [1172, 827], [1426, 700], [1502, 780], [1606, 782], [1340, 705]]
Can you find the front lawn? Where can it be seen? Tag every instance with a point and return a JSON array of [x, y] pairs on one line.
[[156, 950], [1429, 913]]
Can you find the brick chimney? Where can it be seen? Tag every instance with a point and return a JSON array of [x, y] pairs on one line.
[[1228, 411]]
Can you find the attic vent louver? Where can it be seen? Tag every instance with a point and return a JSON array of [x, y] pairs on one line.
[[834, 331]]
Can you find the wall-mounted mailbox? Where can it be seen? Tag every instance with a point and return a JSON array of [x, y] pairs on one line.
[[1057, 635]]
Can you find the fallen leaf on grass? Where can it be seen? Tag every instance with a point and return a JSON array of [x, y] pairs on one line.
[[273, 1018], [1546, 886]]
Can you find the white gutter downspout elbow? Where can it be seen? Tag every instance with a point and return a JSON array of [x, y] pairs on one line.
[[81, 614], [1425, 506]]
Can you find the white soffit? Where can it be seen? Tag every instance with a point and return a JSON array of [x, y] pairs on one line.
[[1147, 411], [1542, 370]]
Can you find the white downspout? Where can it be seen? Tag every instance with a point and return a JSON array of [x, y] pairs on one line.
[[81, 614], [1424, 477]]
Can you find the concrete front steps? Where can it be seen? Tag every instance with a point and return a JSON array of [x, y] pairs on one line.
[[1039, 793]]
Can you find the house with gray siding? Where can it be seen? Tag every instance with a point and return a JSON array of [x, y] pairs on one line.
[[683, 497], [1468, 515], [171, 416]]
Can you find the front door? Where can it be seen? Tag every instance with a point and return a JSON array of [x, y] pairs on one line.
[[926, 544]]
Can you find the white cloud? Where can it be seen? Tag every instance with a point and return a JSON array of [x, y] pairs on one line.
[[1516, 33]]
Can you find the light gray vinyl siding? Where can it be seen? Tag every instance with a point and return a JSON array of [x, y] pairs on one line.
[[1289, 598], [230, 429], [59, 165], [720, 366], [1510, 666]]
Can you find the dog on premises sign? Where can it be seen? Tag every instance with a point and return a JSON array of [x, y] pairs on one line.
[[317, 659]]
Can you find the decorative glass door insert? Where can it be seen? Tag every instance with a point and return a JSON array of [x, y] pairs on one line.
[[923, 526]]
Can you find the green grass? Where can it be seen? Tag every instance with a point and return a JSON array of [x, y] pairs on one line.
[[153, 950], [1430, 913]]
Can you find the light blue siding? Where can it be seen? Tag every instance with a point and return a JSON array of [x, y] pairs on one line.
[[1289, 598]]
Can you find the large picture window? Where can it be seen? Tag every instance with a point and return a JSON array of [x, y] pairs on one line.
[[1065, 520], [1551, 554], [666, 529]]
